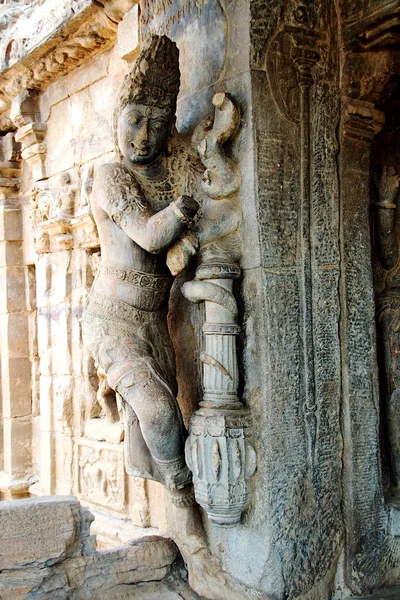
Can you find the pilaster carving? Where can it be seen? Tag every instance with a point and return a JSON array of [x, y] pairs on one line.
[[25, 115], [297, 49], [10, 166]]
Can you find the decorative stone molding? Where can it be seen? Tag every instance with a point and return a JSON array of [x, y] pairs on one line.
[[9, 181], [116, 9], [48, 40], [26, 116], [378, 28], [361, 120]]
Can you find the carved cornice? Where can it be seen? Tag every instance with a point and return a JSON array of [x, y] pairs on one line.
[[64, 35], [378, 28], [361, 120]]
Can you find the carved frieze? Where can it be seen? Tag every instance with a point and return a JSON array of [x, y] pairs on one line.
[[101, 474], [58, 219], [48, 40]]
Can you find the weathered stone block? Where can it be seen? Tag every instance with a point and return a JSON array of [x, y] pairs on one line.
[[10, 224], [91, 130], [11, 253], [87, 74], [15, 327], [37, 531], [16, 386], [128, 35], [17, 445], [12, 292], [60, 149]]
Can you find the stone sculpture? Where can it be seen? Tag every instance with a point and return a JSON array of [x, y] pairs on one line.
[[218, 451], [141, 205], [388, 315]]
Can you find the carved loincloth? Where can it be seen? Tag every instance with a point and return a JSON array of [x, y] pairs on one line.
[[125, 340]]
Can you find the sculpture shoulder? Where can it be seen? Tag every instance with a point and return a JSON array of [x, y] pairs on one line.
[[110, 175], [115, 188]]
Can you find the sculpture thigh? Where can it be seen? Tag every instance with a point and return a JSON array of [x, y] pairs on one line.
[[388, 306], [138, 361]]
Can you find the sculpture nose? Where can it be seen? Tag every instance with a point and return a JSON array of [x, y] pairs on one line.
[[143, 133]]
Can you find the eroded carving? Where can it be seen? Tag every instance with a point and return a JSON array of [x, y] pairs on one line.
[[141, 205], [101, 474], [28, 63], [217, 450], [388, 315]]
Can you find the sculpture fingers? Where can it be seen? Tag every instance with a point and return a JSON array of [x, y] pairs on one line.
[[199, 291]]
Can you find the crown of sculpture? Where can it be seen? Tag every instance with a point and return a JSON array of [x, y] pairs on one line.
[[154, 79]]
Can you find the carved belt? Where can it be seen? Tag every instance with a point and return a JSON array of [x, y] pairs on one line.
[[112, 309], [150, 281]]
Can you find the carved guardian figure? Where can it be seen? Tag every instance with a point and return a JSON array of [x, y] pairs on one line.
[[142, 204], [388, 316]]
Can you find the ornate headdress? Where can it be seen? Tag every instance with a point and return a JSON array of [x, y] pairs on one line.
[[153, 81]]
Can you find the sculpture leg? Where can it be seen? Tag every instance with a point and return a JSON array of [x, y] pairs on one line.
[[160, 424]]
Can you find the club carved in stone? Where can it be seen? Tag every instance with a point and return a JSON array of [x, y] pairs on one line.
[[218, 451]]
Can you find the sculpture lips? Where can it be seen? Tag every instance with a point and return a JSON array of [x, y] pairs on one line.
[[142, 150]]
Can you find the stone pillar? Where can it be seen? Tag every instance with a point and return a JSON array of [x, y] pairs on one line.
[[363, 495], [16, 310]]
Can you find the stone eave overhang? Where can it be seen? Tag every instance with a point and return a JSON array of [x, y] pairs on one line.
[[378, 28], [81, 31]]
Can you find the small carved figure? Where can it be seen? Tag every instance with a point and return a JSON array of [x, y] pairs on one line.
[[65, 199], [388, 315], [141, 205], [41, 204]]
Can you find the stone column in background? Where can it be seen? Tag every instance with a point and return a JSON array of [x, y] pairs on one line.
[[16, 313]]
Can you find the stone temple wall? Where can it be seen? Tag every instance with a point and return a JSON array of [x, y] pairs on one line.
[[53, 442], [317, 85]]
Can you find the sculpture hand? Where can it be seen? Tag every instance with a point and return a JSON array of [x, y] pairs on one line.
[[179, 254], [188, 206]]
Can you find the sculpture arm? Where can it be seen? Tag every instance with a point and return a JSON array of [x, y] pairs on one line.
[[125, 204], [386, 243]]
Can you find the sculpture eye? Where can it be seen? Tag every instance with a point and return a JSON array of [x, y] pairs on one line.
[[158, 125]]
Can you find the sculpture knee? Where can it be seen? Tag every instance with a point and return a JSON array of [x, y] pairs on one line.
[[151, 402]]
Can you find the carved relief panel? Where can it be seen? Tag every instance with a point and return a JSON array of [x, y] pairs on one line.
[[101, 475]]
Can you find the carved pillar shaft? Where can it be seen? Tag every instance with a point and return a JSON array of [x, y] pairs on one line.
[[362, 502], [305, 58], [220, 369], [217, 450]]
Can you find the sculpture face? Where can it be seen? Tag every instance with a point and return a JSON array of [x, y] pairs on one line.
[[143, 132]]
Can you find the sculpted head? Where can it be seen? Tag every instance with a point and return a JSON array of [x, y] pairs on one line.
[[144, 117]]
